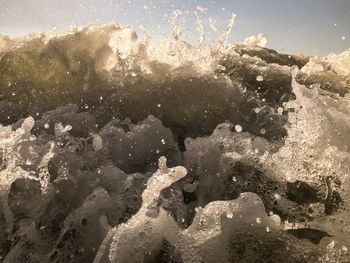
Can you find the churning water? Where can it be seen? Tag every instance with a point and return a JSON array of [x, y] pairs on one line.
[[120, 149]]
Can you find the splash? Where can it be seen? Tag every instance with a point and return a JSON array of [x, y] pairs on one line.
[[340, 63], [259, 148]]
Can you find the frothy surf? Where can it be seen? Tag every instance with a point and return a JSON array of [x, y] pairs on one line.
[[260, 141]]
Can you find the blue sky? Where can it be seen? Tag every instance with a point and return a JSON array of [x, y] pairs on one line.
[[292, 26]]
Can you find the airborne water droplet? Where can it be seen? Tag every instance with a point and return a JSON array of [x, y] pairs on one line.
[[238, 128], [259, 78], [280, 111]]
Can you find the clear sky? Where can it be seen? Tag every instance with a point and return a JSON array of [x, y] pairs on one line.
[[293, 26]]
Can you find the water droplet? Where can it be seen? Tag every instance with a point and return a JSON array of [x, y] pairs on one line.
[[280, 111], [68, 127], [238, 128], [259, 78], [229, 215]]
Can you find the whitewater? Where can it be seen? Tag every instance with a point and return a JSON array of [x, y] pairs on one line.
[[121, 148]]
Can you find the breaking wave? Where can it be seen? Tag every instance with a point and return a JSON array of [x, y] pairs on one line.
[[91, 119]]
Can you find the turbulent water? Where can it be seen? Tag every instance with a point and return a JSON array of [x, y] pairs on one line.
[[116, 149]]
